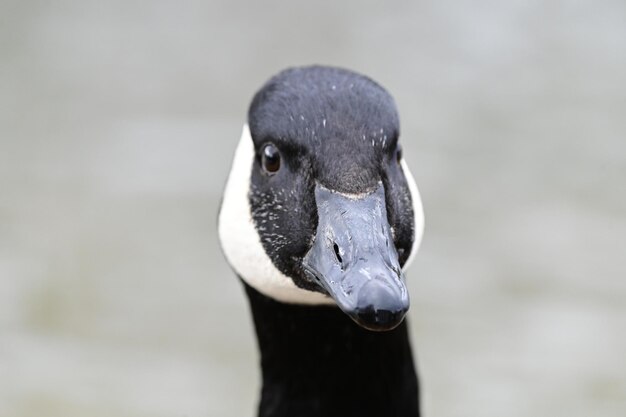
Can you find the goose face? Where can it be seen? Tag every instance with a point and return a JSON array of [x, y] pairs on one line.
[[319, 206]]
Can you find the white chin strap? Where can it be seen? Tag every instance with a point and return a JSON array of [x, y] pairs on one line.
[[241, 243], [418, 214]]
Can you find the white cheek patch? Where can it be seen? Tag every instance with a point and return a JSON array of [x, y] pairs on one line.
[[241, 242], [418, 214]]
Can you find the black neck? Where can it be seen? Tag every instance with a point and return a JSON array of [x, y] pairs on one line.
[[317, 362]]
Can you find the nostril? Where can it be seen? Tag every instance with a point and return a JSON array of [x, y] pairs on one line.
[[337, 254]]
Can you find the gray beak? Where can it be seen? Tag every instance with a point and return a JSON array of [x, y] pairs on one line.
[[354, 259]]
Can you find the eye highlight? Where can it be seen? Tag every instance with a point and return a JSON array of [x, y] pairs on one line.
[[270, 159]]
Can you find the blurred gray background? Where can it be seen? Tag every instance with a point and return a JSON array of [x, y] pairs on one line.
[[118, 121]]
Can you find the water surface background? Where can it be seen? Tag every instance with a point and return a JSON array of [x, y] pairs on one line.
[[118, 121]]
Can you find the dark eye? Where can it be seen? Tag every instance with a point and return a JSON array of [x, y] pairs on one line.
[[270, 159], [399, 153]]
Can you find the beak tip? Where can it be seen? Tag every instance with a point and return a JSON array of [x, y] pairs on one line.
[[379, 319], [379, 307]]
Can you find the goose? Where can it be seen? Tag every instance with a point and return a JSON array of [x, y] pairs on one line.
[[319, 218]]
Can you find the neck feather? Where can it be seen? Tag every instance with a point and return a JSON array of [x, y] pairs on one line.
[[317, 362]]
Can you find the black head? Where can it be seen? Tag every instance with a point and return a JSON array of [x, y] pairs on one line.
[[328, 194]]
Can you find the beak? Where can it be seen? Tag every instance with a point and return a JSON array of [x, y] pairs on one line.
[[354, 259]]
